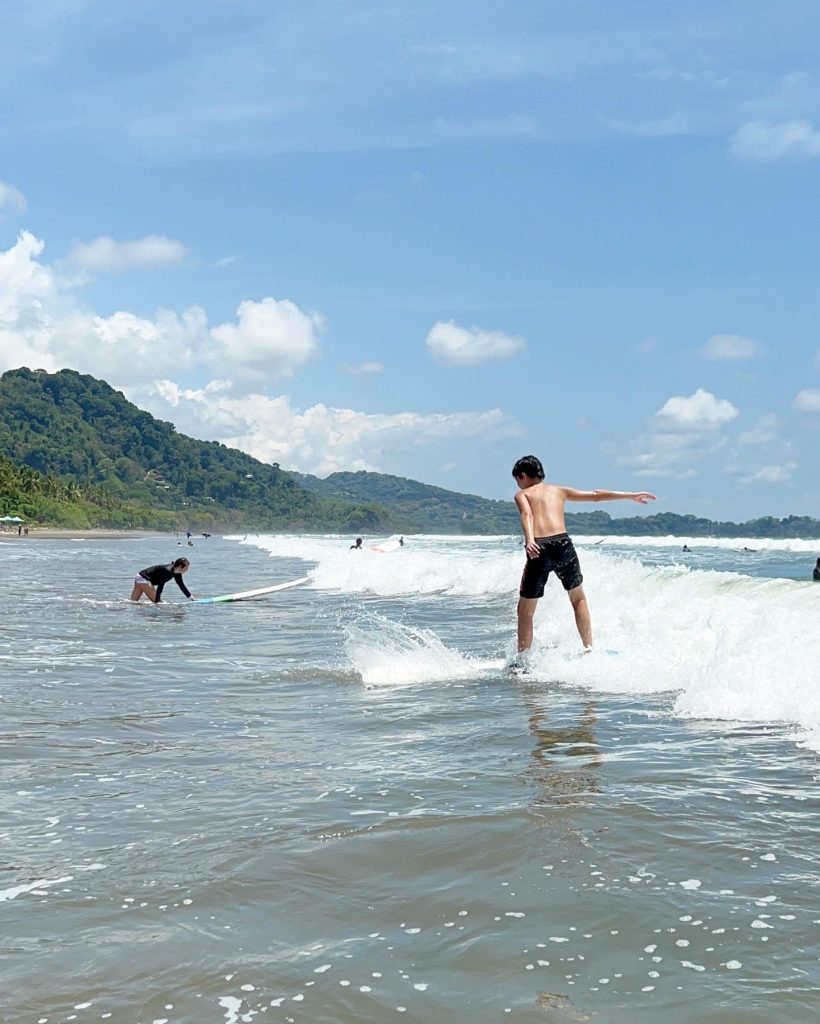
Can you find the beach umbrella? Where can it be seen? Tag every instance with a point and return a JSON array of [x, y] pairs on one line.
[[6, 519], [16, 519]]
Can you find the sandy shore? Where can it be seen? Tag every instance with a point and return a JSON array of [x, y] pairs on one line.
[[49, 533]]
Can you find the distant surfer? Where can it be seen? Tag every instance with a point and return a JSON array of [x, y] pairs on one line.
[[401, 542], [686, 549], [549, 547], [816, 573], [357, 546], [151, 581]]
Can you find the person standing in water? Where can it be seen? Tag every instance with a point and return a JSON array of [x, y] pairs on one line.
[[816, 573], [549, 547], [151, 581]]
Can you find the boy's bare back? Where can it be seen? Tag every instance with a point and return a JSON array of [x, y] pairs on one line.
[[546, 503]]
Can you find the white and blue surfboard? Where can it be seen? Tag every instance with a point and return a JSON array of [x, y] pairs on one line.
[[247, 594]]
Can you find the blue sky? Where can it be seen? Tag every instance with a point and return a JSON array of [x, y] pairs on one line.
[[427, 238]]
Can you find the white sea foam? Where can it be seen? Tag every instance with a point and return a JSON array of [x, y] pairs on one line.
[[404, 654], [716, 543], [732, 646], [457, 566], [41, 883], [606, 541]]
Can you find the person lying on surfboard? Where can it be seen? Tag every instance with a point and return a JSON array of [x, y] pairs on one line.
[[549, 548], [150, 581]]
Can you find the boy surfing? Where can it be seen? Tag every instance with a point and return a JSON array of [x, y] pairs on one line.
[[549, 548]]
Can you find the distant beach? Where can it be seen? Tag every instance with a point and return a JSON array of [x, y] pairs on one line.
[[53, 533]]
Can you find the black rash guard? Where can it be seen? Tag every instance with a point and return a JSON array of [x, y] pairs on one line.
[[159, 575]]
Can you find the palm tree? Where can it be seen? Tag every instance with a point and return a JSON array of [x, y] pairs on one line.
[[30, 481]]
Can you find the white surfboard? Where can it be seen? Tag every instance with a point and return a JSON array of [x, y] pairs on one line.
[[245, 594]]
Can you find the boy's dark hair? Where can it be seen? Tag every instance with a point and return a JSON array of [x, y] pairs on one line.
[[530, 466], [181, 563]]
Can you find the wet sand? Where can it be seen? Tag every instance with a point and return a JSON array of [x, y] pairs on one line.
[[52, 533]]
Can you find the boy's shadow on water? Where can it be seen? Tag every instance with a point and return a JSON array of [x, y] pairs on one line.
[[566, 759], [566, 770]]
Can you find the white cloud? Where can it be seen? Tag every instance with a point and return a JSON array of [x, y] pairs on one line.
[[11, 198], [42, 325], [762, 455], [318, 440], [808, 400], [23, 280], [271, 337], [771, 474], [662, 454], [366, 369], [683, 431], [453, 344], [764, 431], [767, 141], [124, 343], [732, 347], [700, 411], [105, 255]]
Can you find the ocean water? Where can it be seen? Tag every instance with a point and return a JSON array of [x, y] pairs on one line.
[[334, 805]]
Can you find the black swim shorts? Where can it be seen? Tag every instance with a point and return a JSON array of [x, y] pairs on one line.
[[556, 553]]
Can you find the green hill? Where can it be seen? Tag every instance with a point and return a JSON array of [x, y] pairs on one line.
[[72, 427], [421, 508], [39, 497], [414, 507], [78, 453], [665, 524]]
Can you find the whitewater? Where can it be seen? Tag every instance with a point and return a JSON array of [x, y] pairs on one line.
[[727, 644]]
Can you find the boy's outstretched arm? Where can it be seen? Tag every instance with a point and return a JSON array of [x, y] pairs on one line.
[[642, 497]]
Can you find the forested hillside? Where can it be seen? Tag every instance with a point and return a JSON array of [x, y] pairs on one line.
[[665, 524], [423, 508], [43, 498], [73, 427], [417, 507], [77, 453]]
